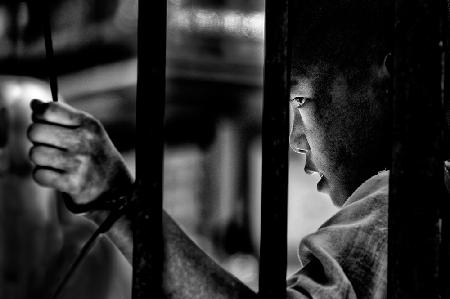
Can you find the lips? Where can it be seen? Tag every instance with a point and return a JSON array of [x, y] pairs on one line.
[[310, 171], [314, 173]]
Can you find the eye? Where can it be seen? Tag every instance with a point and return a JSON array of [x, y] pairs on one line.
[[297, 102]]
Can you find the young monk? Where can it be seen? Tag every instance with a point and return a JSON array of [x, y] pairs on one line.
[[341, 78]]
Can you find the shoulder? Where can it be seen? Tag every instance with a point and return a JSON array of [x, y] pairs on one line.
[[349, 251], [365, 213]]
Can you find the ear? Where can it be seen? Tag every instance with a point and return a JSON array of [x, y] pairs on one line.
[[386, 68], [383, 75]]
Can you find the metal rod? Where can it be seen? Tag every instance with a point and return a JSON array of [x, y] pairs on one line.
[[444, 274], [416, 180], [148, 249], [275, 147]]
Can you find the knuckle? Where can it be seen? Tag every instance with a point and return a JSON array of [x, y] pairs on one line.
[[52, 107], [87, 137], [75, 115], [69, 164], [88, 134], [80, 142], [75, 163], [92, 124]]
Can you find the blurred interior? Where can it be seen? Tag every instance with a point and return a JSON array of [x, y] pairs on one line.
[[213, 113]]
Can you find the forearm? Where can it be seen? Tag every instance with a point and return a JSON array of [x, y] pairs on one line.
[[73, 154], [189, 272]]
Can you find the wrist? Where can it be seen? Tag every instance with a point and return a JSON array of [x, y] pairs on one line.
[[111, 207], [97, 216]]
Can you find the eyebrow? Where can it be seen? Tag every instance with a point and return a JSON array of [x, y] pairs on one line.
[[301, 86], [293, 85]]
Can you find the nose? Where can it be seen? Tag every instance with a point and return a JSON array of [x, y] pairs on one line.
[[297, 137]]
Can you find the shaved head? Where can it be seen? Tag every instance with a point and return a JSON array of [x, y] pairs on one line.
[[342, 123], [341, 35]]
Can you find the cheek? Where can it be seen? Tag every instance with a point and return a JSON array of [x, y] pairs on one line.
[[317, 138], [328, 139]]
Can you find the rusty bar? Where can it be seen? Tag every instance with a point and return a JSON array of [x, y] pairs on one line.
[[444, 274], [416, 181], [148, 248], [275, 146]]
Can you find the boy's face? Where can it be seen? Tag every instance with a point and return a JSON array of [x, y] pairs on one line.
[[342, 128]]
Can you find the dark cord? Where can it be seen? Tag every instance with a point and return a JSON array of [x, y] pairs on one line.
[[84, 251], [49, 54], [124, 203], [104, 227]]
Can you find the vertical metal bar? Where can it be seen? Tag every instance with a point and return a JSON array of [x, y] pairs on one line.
[[444, 274], [148, 248], [272, 276], [416, 181]]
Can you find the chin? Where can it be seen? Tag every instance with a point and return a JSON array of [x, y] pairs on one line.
[[323, 186], [337, 199]]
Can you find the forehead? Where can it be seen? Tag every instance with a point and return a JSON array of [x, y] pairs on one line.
[[301, 86], [306, 78]]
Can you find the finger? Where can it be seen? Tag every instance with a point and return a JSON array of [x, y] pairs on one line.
[[45, 156], [53, 135], [57, 113], [52, 178]]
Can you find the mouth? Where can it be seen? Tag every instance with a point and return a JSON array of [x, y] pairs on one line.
[[319, 178]]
